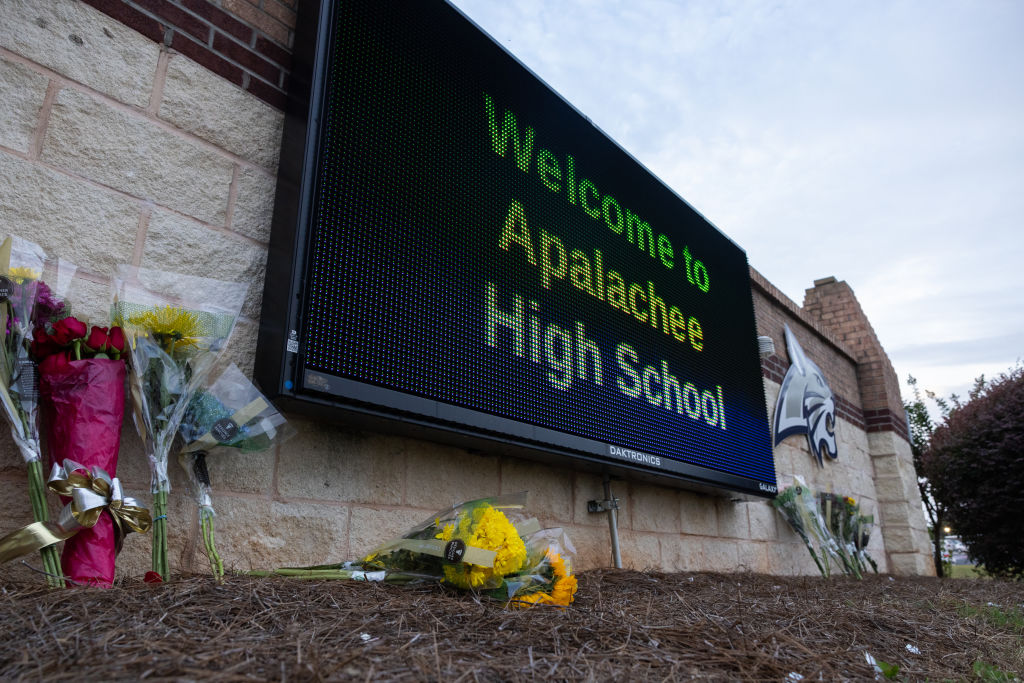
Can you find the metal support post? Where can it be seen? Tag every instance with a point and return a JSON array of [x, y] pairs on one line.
[[611, 506]]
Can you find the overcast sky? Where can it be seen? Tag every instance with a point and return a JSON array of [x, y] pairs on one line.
[[879, 142]]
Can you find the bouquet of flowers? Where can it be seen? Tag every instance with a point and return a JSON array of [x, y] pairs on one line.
[[26, 304], [489, 546], [176, 325], [797, 504], [831, 527], [81, 386], [851, 530], [230, 413], [547, 577], [861, 536], [836, 511]]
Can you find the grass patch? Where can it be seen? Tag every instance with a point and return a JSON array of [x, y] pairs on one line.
[[1006, 618], [966, 571], [992, 674]]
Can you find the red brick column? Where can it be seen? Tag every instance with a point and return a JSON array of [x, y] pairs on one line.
[[835, 305], [904, 528], [248, 42]]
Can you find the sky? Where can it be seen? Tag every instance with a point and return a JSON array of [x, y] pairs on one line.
[[878, 142]]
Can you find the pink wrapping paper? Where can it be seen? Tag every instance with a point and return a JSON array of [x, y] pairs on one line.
[[83, 404]]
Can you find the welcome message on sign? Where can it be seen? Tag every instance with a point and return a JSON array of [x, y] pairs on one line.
[[567, 351], [478, 256]]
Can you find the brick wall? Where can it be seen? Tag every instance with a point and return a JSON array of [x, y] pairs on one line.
[[773, 310], [837, 335], [834, 303], [248, 42], [874, 451]]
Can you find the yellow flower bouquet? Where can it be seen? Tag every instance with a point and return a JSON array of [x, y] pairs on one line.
[[547, 577], [490, 546], [176, 326]]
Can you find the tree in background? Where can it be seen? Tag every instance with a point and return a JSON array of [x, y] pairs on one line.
[[974, 464], [921, 429]]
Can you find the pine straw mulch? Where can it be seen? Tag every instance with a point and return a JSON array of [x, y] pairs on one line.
[[623, 625]]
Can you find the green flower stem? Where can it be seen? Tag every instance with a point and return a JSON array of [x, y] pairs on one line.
[[40, 513], [216, 566], [36, 489], [160, 565], [392, 576], [51, 564], [303, 573]]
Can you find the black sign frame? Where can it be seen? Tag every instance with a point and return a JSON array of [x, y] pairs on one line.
[[281, 360]]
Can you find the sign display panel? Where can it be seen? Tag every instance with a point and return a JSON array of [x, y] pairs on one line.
[[469, 252]]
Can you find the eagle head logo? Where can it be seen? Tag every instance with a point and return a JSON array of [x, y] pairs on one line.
[[806, 405]]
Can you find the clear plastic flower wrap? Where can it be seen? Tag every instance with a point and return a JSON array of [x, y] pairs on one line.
[[231, 413], [851, 529], [32, 288], [831, 527], [546, 578], [862, 534], [799, 506], [491, 546], [228, 414], [177, 325]]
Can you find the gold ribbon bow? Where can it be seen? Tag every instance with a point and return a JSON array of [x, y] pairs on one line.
[[91, 492]]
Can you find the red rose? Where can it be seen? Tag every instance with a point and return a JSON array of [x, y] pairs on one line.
[[116, 341], [42, 344], [98, 339], [67, 330]]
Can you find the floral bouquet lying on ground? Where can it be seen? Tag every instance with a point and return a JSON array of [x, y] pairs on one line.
[[489, 546]]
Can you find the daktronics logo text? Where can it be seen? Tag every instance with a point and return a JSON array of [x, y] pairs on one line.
[[635, 456]]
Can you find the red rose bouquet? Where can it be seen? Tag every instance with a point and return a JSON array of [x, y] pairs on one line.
[[81, 388]]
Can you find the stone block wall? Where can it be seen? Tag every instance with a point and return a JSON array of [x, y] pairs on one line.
[[119, 147], [116, 149]]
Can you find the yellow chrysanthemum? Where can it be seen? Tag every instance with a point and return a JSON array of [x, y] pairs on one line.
[[557, 565], [562, 591], [22, 273], [487, 528], [173, 328]]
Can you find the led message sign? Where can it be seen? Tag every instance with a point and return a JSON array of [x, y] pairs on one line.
[[457, 247]]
